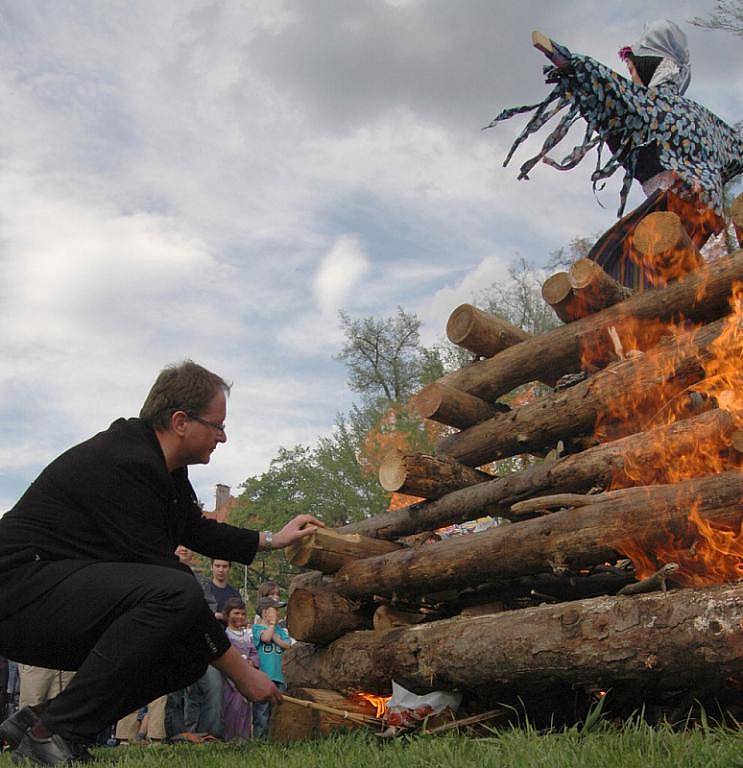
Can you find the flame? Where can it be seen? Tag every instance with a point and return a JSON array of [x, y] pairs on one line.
[[707, 553], [380, 702], [400, 500]]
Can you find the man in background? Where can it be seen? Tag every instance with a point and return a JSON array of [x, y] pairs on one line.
[[220, 587]]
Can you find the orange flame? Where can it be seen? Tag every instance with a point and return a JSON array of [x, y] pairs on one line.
[[380, 702], [707, 553]]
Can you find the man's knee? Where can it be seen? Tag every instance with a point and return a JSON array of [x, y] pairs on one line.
[[181, 594]]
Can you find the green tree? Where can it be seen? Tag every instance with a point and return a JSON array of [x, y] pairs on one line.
[[384, 357]]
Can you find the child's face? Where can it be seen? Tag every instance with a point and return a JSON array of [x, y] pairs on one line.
[[237, 618], [270, 615]]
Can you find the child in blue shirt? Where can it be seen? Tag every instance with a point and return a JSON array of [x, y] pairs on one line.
[[271, 640]]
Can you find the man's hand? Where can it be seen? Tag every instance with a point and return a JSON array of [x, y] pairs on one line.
[[258, 686], [251, 682], [296, 529]]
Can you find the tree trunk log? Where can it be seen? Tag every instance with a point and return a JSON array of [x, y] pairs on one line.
[[664, 249], [418, 474], [686, 638], [574, 411], [485, 334], [701, 297], [327, 550], [450, 406], [736, 213], [612, 463], [309, 580], [640, 518], [293, 722], [321, 616], [558, 293], [597, 289], [480, 332], [582, 291]]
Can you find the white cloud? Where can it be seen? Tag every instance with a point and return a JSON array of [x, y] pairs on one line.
[[180, 179], [435, 313], [339, 273]]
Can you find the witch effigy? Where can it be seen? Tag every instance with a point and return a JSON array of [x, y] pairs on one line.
[[681, 153]]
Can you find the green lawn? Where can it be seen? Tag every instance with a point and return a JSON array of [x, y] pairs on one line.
[[634, 747]]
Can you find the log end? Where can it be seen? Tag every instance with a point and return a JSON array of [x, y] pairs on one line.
[[392, 471], [460, 323], [659, 232], [583, 273], [427, 402], [291, 721], [300, 552], [300, 614], [556, 288]]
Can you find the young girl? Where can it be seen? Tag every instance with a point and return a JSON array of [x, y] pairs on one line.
[[238, 711], [680, 152]]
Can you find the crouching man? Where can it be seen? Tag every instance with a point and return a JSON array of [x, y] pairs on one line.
[[89, 581]]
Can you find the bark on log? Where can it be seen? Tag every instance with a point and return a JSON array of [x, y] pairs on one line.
[[688, 638], [701, 297], [293, 722], [574, 411], [637, 518], [619, 462], [585, 289], [597, 289], [737, 217], [320, 616], [386, 617], [450, 406], [664, 249], [327, 550], [480, 332], [486, 334], [309, 580], [418, 474]]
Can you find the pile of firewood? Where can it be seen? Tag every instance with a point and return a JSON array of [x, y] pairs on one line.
[[617, 555]]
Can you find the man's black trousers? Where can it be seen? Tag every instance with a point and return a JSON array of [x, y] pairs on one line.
[[133, 632]]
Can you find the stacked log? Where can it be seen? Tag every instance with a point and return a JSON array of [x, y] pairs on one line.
[[622, 500], [688, 637], [582, 291]]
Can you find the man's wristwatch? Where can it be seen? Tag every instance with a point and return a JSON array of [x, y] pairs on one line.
[[268, 539]]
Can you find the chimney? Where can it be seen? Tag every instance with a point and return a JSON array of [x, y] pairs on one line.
[[222, 502]]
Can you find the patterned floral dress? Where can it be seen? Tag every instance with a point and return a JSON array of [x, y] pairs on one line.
[[638, 126]]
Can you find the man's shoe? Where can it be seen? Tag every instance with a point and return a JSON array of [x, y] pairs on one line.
[[50, 751], [13, 728]]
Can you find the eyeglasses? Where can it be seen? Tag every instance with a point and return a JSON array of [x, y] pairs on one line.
[[218, 427]]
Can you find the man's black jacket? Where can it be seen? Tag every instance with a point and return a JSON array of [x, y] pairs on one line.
[[108, 499]]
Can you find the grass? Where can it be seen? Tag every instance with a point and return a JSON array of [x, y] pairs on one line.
[[635, 746]]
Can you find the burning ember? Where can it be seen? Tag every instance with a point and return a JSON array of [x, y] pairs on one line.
[[706, 553]]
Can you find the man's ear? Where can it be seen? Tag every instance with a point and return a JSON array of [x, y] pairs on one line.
[[178, 422]]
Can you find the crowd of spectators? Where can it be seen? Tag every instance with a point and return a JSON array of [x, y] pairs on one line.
[[211, 708]]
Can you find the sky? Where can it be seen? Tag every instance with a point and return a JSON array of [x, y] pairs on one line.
[[216, 180]]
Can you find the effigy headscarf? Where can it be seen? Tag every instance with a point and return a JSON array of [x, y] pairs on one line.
[[665, 39], [701, 150]]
